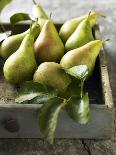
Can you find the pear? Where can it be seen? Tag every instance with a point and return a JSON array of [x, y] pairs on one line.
[[21, 65], [48, 46], [70, 26], [85, 55], [12, 43], [51, 74], [40, 14], [41, 22], [81, 36], [38, 11]]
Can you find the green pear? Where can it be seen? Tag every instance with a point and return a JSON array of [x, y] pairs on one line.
[[38, 12], [85, 55], [81, 36], [12, 43], [51, 74], [70, 26], [48, 46], [21, 65], [41, 22]]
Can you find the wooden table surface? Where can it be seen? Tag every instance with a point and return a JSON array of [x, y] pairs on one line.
[[63, 10]]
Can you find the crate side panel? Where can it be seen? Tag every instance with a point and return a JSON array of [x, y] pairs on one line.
[[99, 126]]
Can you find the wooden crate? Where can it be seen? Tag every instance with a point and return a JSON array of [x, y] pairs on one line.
[[21, 120]]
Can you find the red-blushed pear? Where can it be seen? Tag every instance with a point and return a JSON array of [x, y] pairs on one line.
[[48, 46], [51, 74], [21, 65], [85, 55]]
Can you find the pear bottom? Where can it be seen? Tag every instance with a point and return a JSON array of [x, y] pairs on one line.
[[51, 74]]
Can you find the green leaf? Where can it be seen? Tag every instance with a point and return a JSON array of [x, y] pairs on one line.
[[3, 3], [78, 109], [41, 98], [48, 94], [17, 17], [48, 118], [4, 35], [30, 90], [74, 89], [80, 72]]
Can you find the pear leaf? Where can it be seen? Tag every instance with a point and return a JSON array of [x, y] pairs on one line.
[[41, 98], [4, 35], [74, 89], [48, 118], [18, 17], [78, 109], [80, 72], [30, 90], [3, 4]]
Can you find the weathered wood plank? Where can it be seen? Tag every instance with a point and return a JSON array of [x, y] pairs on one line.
[[96, 147], [40, 147], [99, 126]]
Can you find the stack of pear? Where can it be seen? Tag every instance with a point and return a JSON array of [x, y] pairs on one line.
[[48, 46], [12, 43], [81, 36], [51, 74], [70, 26], [21, 65], [85, 55]]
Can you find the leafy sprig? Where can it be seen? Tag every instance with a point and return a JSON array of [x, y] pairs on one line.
[[76, 103]]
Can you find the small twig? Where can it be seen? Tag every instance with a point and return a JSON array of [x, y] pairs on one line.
[[34, 2]]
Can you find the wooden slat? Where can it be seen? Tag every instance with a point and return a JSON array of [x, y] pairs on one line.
[[106, 89], [99, 126]]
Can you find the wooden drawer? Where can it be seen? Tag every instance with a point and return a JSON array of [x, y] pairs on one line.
[[20, 120]]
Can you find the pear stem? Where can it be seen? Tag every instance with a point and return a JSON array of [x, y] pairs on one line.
[[103, 16], [34, 2], [103, 41], [88, 14], [106, 39], [31, 28], [82, 85], [2, 26], [50, 15]]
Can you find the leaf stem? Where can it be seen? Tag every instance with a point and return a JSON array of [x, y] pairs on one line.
[[60, 98]]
